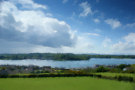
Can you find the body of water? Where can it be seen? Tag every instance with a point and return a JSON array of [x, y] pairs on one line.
[[69, 64]]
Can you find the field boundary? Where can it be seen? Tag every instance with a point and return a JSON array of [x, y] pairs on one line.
[[118, 78]]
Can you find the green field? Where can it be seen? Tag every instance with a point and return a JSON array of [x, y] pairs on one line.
[[63, 83]]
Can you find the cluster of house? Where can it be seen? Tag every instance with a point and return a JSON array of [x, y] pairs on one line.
[[13, 69], [109, 66], [113, 66]]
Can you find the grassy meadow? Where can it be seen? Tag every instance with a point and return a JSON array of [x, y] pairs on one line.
[[63, 83]]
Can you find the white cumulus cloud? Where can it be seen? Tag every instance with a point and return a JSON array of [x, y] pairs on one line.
[[29, 4], [113, 23], [127, 46], [130, 25], [27, 29], [33, 26], [86, 9]]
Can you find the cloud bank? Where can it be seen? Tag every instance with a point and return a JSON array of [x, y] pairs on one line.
[[126, 46], [33, 26], [28, 28]]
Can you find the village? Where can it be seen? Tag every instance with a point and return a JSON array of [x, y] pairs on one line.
[[32, 69]]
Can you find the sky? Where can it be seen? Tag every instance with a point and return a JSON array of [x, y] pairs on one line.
[[67, 26]]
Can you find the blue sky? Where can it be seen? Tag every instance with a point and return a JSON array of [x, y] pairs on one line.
[[67, 26]]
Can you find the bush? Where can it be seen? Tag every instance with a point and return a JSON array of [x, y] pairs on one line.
[[124, 78], [102, 69]]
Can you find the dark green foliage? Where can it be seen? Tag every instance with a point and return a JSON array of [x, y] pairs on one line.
[[59, 56], [124, 78], [115, 70], [102, 69], [122, 66], [48, 56]]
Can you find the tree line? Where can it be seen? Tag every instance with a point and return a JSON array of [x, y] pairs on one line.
[[59, 56]]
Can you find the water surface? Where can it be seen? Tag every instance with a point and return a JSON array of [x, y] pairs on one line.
[[69, 64]]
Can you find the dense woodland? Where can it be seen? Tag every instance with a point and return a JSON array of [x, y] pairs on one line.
[[59, 56]]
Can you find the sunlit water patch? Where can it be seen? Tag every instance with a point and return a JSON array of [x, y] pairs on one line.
[[69, 64]]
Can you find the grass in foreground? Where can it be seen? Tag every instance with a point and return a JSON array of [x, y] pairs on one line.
[[63, 83]]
